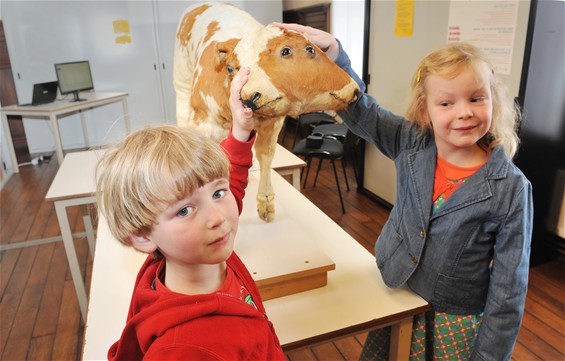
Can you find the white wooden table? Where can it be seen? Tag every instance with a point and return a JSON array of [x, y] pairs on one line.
[[74, 185], [52, 111], [354, 299]]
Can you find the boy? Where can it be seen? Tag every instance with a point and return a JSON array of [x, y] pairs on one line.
[[171, 192]]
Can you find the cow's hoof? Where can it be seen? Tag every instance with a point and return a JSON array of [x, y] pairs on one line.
[[266, 206]]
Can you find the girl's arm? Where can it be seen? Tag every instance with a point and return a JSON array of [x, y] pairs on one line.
[[509, 280]]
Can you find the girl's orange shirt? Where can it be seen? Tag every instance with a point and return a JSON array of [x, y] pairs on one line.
[[448, 177]]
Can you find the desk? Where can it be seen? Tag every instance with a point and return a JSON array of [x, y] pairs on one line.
[[354, 299], [74, 185], [53, 111]]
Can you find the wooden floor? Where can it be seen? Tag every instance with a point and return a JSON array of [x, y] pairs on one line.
[[40, 318]]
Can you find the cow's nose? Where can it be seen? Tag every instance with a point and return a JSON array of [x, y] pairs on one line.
[[252, 101]]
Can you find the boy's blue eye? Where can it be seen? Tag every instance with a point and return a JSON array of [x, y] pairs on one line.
[[220, 193], [185, 211]]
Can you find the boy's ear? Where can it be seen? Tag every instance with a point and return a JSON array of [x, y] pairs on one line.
[[143, 244]]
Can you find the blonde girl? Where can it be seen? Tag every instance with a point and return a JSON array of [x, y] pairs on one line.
[[459, 233]]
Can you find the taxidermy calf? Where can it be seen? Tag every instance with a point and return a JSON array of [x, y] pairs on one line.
[[289, 76]]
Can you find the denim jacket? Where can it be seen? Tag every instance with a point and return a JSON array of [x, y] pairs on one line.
[[472, 255]]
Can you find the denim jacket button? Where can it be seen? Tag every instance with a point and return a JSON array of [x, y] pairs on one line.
[[422, 233], [414, 260]]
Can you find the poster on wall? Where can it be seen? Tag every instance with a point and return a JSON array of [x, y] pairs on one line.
[[490, 25]]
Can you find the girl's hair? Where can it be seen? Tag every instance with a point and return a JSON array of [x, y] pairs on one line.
[[449, 61], [138, 178]]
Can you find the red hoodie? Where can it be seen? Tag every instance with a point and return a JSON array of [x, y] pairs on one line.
[[164, 325]]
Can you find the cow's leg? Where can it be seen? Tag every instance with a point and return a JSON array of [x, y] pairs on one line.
[[265, 146]]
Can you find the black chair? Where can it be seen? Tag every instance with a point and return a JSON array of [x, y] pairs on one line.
[[341, 132], [308, 121], [335, 131], [331, 149]]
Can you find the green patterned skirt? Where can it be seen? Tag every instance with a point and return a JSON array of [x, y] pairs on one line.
[[435, 336]]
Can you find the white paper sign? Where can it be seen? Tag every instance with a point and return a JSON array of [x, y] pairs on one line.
[[490, 25]]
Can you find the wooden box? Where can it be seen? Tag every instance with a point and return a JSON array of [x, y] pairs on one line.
[[279, 255]]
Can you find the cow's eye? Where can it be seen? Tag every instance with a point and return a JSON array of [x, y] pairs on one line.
[[286, 51], [230, 69], [310, 50]]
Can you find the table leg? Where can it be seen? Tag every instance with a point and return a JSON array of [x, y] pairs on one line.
[[401, 339], [84, 130], [126, 115], [10, 143], [89, 230], [296, 178], [61, 210], [57, 135]]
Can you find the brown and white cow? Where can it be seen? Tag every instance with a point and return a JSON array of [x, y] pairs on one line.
[[289, 76]]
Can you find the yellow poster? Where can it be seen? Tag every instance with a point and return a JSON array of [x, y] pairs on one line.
[[122, 32], [404, 18]]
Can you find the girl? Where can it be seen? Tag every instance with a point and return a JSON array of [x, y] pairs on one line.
[[459, 233]]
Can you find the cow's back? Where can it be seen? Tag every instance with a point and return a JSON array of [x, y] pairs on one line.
[[200, 27]]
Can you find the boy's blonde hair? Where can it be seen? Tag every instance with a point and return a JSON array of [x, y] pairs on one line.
[[449, 61], [151, 169]]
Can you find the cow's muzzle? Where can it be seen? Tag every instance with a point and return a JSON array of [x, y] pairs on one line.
[[251, 102]]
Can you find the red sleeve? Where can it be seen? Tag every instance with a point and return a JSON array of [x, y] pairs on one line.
[[241, 159]]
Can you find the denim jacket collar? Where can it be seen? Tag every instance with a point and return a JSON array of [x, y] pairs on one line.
[[422, 181]]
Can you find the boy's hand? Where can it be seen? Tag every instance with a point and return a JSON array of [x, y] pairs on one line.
[[243, 121], [323, 40]]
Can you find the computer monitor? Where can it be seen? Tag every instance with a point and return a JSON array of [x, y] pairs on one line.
[[74, 77]]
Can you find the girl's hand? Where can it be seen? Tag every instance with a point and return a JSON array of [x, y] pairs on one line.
[[323, 40], [243, 122]]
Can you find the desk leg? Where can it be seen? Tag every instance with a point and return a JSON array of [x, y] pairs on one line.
[[89, 233], [126, 115], [10, 143], [401, 339], [84, 130], [57, 135], [296, 178], [61, 210]]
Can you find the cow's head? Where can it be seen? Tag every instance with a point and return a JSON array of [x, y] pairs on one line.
[[289, 74]]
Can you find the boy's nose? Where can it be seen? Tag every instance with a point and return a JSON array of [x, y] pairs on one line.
[[215, 216]]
